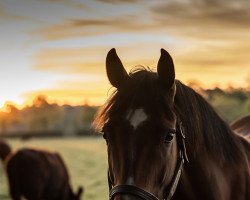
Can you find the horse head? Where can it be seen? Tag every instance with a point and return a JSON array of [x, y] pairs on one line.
[[140, 128]]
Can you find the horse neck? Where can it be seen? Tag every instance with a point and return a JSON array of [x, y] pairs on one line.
[[208, 137], [206, 132], [209, 143], [203, 176]]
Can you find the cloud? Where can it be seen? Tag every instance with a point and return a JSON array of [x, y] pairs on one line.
[[70, 3], [73, 92], [8, 16], [219, 12], [91, 60], [205, 62], [210, 54], [215, 62], [207, 19], [191, 19], [118, 2], [70, 60], [93, 27], [73, 97]]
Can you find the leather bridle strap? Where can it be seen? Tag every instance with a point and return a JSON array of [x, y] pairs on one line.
[[176, 178], [133, 190]]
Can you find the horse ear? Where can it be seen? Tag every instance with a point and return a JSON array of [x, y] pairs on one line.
[[165, 70], [116, 73], [79, 191]]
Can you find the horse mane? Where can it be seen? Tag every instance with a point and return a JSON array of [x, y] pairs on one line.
[[198, 117], [203, 126]]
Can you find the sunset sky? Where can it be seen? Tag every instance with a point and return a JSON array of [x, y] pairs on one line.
[[58, 47]]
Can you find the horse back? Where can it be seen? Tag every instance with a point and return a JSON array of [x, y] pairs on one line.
[[37, 174]]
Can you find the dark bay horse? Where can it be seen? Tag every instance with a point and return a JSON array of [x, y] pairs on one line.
[[37, 175], [164, 141]]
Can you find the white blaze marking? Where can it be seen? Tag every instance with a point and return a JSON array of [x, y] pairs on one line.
[[136, 117]]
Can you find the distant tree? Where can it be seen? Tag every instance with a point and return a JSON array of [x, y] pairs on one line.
[[88, 114], [212, 93], [40, 101], [231, 103], [239, 94], [11, 108]]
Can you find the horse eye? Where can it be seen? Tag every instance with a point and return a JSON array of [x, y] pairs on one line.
[[169, 136]]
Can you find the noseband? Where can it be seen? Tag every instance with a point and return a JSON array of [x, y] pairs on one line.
[[146, 195]]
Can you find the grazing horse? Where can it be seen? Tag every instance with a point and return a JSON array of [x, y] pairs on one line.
[[37, 175], [164, 141]]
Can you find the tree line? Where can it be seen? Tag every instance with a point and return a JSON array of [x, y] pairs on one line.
[[44, 118]]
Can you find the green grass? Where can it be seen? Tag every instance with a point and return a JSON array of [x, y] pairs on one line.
[[85, 159]]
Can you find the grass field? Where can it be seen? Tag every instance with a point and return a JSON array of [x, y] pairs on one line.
[[85, 159]]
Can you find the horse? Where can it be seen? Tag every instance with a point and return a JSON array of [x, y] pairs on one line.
[[37, 174], [164, 140]]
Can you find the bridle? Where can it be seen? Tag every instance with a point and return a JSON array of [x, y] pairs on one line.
[[170, 190]]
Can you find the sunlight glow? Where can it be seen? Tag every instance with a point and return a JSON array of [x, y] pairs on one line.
[[58, 48]]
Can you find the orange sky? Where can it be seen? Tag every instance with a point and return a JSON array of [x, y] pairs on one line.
[[58, 47]]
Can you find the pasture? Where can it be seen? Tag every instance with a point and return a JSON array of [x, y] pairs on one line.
[[85, 159]]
